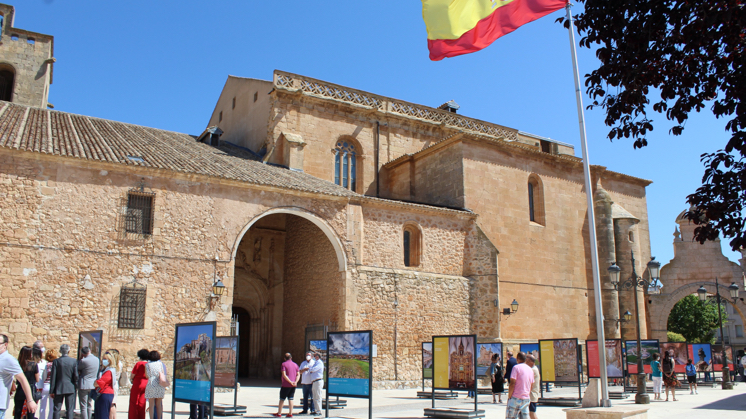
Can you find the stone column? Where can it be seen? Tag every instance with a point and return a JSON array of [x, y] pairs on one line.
[[606, 255], [627, 241]]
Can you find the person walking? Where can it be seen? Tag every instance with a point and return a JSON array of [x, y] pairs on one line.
[[535, 387], [317, 381], [63, 383], [31, 372], [519, 389], [139, 382], [668, 367], [10, 369], [305, 381], [106, 387], [154, 391], [509, 364], [498, 381], [46, 405], [290, 376], [691, 376], [87, 372]]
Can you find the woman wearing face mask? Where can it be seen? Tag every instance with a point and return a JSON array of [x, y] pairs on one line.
[[107, 387]]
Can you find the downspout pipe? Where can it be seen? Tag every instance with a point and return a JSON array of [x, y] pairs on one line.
[[378, 148]]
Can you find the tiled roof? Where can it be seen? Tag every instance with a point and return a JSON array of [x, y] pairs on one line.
[[74, 136]]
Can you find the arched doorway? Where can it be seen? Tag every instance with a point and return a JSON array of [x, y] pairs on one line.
[[7, 82], [289, 273]]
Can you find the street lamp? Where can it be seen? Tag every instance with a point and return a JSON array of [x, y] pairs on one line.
[[652, 287], [733, 290]]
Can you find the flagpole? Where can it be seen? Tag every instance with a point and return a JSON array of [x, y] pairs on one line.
[[605, 402]]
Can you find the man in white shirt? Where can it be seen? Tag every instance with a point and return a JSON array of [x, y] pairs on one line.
[[317, 379], [305, 380], [535, 387], [9, 369]]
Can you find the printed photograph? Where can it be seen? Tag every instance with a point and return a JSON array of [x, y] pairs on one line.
[[320, 347], [484, 356], [226, 361], [427, 360], [614, 359], [717, 356], [461, 366], [92, 340], [649, 347], [678, 351], [349, 355], [531, 349], [566, 360], [194, 355]]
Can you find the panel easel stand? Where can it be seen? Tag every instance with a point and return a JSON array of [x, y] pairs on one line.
[[567, 401], [175, 396], [454, 413], [328, 385]]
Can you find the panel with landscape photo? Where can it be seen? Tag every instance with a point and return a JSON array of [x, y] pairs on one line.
[[226, 361], [484, 356], [427, 360], [649, 347], [349, 363], [93, 340], [193, 360]]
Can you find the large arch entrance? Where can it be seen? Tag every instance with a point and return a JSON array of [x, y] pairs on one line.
[[289, 274]]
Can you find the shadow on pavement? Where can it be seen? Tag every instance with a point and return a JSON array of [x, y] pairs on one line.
[[736, 402]]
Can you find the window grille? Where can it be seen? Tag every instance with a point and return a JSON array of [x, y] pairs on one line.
[[132, 306], [139, 216]]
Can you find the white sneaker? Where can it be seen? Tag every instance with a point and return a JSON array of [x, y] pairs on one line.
[[696, 392]]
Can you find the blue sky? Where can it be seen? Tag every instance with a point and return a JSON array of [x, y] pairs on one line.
[[162, 64]]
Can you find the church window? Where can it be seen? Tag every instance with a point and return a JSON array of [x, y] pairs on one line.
[[14, 37], [31, 41], [220, 116], [7, 79], [345, 165], [132, 306], [412, 242], [139, 215], [256, 96], [535, 200], [234, 103]]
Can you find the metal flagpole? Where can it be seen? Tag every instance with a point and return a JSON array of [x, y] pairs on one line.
[[605, 402]]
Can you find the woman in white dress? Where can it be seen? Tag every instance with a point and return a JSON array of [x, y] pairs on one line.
[[154, 392]]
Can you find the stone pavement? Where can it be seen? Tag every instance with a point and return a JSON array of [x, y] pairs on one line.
[[261, 401]]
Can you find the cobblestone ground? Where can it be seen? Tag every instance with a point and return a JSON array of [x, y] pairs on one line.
[[260, 398]]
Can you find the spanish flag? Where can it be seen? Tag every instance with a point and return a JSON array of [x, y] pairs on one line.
[[457, 27]]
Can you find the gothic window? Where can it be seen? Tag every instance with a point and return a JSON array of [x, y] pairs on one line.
[[535, 200], [412, 242], [7, 79], [345, 165], [132, 306], [139, 215]]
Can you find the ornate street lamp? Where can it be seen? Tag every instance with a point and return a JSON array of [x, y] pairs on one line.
[[733, 290], [652, 287]]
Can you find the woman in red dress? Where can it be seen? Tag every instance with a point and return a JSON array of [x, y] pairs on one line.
[[139, 382]]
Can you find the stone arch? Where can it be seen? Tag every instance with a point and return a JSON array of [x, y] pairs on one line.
[[660, 306], [300, 212]]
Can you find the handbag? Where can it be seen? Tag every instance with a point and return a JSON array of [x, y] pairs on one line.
[[93, 394], [162, 378]]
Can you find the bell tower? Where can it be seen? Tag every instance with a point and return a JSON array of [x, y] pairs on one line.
[[26, 61]]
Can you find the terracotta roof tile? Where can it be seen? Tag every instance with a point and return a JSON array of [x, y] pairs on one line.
[[75, 136]]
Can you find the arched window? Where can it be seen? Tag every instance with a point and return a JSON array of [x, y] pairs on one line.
[[535, 200], [412, 243], [7, 79], [345, 165]]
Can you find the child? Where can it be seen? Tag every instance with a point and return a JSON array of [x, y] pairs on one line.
[[691, 376]]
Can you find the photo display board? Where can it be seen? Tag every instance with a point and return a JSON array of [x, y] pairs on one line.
[[717, 357], [484, 356], [701, 355], [454, 362], [559, 360], [93, 340], [350, 362], [226, 361], [649, 347], [679, 352], [532, 349], [614, 359], [194, 363], [427, 360]]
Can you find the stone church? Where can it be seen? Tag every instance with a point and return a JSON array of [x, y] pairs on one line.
[[317, 206]]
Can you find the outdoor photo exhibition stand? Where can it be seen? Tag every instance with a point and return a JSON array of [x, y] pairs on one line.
[[614, 363], [194, 365], [93, 339], [454, 368], [226, 373], [350, 366], [701, 355], [560, 362], [485, 351], [649, 347]]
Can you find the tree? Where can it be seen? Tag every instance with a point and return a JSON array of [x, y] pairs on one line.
[[696, 320], [675, 337], [692, 54]]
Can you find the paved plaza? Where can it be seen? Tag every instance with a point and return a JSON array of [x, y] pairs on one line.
[[261, 401]]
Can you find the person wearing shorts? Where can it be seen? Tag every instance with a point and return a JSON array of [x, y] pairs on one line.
[[290, 377], [535, 387], [691, 377]]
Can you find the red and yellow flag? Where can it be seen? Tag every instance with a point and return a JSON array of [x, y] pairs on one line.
[[456, 27]]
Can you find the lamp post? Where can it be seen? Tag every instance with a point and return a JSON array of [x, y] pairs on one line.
[[733, 290], [653, 287]]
